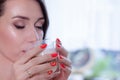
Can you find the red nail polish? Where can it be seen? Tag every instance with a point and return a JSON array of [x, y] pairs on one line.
[[43, 46], [50, 72], [61, 57], [54, 55], [58, 45], [62, 65], [53, 63], [58, 40]]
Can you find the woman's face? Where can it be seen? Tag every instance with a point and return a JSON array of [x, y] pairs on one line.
[[19, 27]]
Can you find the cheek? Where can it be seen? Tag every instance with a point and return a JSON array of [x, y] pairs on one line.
[[9, 41]]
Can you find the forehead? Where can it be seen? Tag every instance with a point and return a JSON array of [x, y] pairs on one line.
[[30, 8]]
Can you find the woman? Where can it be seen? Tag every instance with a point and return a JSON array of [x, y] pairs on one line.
[[22, 23]]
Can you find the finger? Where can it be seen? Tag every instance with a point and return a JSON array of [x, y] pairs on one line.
[[31, 53], [60, 48], [44, 76], [39, 69], [62, 51], [40, 77], [64, 73], [64, 60], [41, 59], [66, 69]]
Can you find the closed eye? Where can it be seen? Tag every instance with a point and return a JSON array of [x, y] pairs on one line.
[[19, 27], [39, 27]]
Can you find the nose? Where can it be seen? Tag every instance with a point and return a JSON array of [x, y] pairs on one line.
[[32, 36]]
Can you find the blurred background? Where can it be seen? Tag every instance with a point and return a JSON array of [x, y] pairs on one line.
[[89, 30]]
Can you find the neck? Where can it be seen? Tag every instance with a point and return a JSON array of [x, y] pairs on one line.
[[6, 68]]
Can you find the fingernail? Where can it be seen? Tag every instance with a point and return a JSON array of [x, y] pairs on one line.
[[50, 72], [58, 40], [61, 57], [54, 55], [62, 65], [43, 46], [58, 45], [53, 63]]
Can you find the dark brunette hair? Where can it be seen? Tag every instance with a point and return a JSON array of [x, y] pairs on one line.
[[2, 2], [46, 24], [42, 5]]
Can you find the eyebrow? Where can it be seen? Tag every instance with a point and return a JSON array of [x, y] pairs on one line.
[[27, 18], [22, 17]]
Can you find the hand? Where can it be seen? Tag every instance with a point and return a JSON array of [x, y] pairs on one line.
[[33, 67], [65, 64]]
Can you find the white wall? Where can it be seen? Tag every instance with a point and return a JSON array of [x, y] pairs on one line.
[[81, 23]]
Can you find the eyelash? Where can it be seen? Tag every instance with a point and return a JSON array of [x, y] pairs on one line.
[[19, 27], [22, 27], [39, 27]]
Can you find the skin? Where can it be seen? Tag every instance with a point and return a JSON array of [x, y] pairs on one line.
[[10, 35], [18, 32]]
